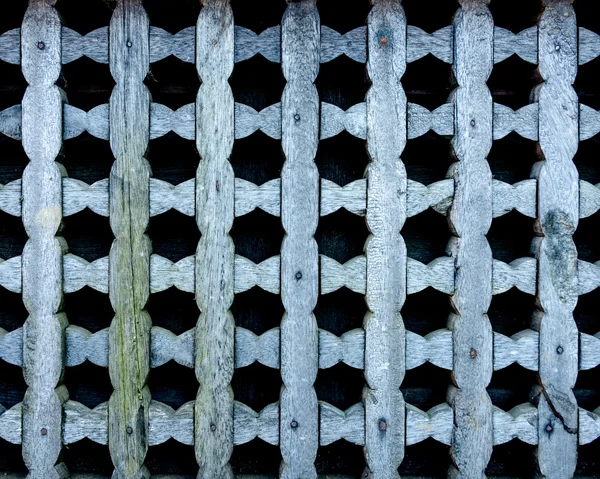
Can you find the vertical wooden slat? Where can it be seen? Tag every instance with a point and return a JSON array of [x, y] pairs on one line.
[[470, 219], [129, 261], [385, 249], [43, 331], [215, 253], [299, 253], [557, 219]]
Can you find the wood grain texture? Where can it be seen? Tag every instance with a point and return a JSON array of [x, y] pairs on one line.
[[129, 260], [385, 250], [299, 426], [557, 219], [215, 190], [43, 331], [470, 218]]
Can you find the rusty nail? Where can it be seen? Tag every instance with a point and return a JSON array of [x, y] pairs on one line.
[[294, 424], [382, 425], [559, 350], [41, 45], [129, 430], [549, 428], [473, 353], [383, 41], [44, 431], [298, 275], [213, 428]]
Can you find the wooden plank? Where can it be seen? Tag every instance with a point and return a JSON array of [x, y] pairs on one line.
[[557, 219], [299, 426], [43, 331], [129, 261], [470, 218], [385, 249], [215, 190]]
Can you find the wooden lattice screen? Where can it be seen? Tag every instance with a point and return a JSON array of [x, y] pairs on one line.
[[547, 422]]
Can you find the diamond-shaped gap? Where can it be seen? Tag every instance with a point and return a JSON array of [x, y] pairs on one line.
[[340, 386], [86, 83], [88, 309], [12, 15], [426, 236], [505, 17], [586, 160], [511, 158], [173, 384], [12, 236], [172, 457], [586, 389], [587, 460], [340, 311], [88, 235], [257, 82], [340, 457], [173, 83], [173, 159], [510, 236], [342, 159], [86, 456], [428, 82], [257, 236], [511, 386], [83, 17], [587, 89], [342, 82], [426, 311], [174, 15], [257, 310], [512, 459], [425, 386], [88, 384], [13, 313], [341, 235], [256, 457], [257, 158], [432, 15], [87, 159], [427, 158], [256, 386], [12, 387], [354, 14], [174, 235], [11, 459], [14, 159], [512, 82], [511, 312], [258, 16], [586, 238], [13, 85], [174, 310], [586, 312], [418, 459]]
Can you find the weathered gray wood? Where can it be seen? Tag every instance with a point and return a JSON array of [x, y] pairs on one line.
[[164, 44], [335, 424], [519, 196], [437, 196], [82, 422], [589, 46], [165, 274], [249, 196], [78, 273], [524, 121], [11, 346], [181, 121], [250, 348], [420, 43], [95, 122], [249, 424], [267, 43], [524, 44], [421, 120], [435, 423], [43, 331], [10, 46], [351, 274], [520, 422], [352, 197], [349, 349], [557, 219], [94, 45], [215, 190], [248, 120], [10, 274], [167, 423], [521, 348], [435, 348], [439, 274], [589, 122], [334, 120], [589, 426], [265, 275], [11, 424], [299, 415], [10, 122], [351, 44], [470, 218], [520, 273], [129, 261], [385, 249]]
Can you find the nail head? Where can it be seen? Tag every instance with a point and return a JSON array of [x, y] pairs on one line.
[[44, 431], [297, 117], [129, 430], [41, 45], [549, 428], [129, 43], [384, 41], [298, 275], [560, 350], [213, 428], [294, 424], [382, 425], [473, 353]]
